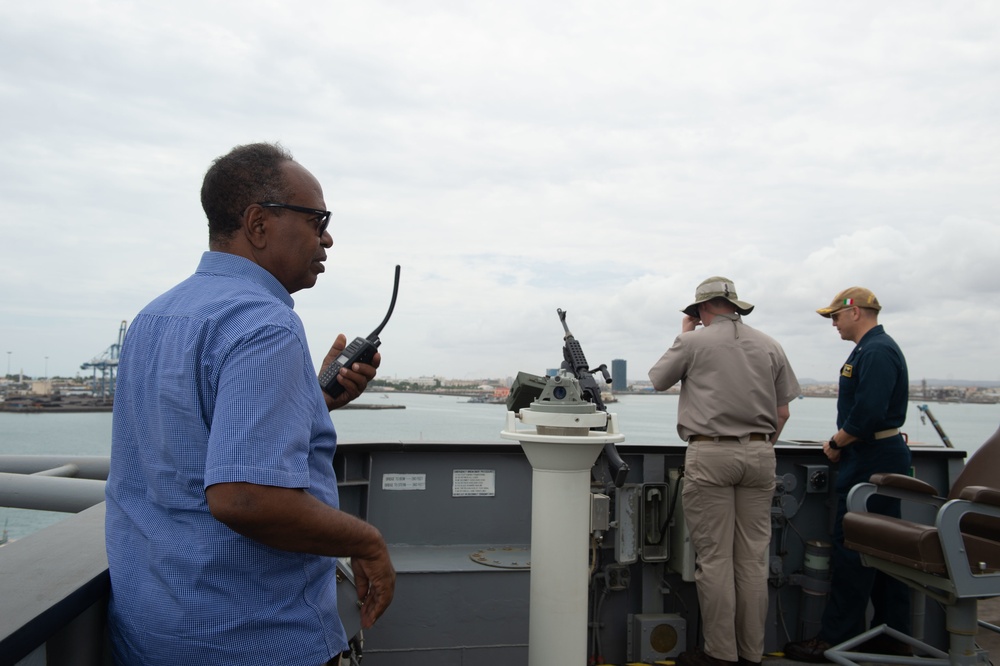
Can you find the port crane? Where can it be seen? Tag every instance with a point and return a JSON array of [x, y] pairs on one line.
[[107, 364]]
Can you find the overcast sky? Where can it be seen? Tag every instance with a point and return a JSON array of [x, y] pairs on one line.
[[514, 158]]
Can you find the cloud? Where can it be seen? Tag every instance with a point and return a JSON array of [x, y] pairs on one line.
[[515, 159]]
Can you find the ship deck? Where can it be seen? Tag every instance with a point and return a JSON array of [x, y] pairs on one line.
[[449, 609]]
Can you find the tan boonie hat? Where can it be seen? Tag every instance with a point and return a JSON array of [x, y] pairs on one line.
[[851, 296], [717, 287]]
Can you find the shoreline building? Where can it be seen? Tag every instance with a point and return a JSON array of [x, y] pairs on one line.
[[619, 376]]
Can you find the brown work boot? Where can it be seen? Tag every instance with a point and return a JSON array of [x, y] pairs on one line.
[[701, 658], [811, 650]]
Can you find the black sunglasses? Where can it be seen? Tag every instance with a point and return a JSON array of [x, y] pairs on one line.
[[322, 215]]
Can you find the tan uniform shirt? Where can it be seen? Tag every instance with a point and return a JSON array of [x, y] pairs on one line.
[[733, 378]]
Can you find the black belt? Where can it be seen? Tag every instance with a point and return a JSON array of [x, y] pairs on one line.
[[753, 437]]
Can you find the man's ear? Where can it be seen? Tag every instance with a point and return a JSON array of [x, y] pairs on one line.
[[255, 224]]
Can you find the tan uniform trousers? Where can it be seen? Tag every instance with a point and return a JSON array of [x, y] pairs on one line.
[[728, 486]]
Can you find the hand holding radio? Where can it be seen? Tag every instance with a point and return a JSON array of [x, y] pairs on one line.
[[354, 381], [361, 350]]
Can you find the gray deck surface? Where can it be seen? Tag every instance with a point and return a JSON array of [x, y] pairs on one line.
[[989, 611]]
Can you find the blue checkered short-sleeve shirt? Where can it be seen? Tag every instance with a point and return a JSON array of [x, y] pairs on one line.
[[216, 385]]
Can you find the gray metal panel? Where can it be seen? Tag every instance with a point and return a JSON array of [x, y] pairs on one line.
[[434, 516], [448, 610]]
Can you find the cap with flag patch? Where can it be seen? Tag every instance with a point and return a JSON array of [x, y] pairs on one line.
[[859, 296]]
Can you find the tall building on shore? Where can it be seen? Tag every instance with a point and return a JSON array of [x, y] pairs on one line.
[[619, 378]]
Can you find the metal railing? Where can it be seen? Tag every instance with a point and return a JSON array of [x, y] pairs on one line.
[[55, 589], [55, 582]]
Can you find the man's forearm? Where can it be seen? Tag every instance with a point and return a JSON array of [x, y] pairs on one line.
[[292, 519]]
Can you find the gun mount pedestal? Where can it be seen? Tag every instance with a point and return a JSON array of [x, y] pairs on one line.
[[561, 448]]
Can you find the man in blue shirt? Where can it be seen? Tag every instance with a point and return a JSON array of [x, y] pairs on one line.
[[222, 507], [871, 407]]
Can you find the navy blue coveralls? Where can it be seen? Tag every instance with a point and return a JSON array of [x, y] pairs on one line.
[[873, 397]]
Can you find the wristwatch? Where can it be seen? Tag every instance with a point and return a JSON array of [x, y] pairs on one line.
[[834, 445]]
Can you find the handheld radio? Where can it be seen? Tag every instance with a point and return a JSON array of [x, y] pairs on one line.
[[361, 350]]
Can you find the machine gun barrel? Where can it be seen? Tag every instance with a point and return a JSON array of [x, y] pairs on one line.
[[575, 362]]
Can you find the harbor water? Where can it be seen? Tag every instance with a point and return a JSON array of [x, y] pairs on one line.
[[644, 419]]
